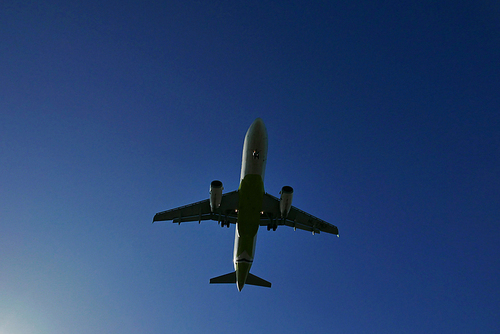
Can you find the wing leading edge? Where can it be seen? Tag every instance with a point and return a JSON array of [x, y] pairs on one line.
[[296, 218], [200, 211]]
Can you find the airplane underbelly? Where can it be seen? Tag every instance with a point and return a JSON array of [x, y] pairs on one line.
[[251, 193]]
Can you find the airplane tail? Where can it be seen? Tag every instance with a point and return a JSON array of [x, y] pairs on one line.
[[227, 278], [254, 280], [231, 278]]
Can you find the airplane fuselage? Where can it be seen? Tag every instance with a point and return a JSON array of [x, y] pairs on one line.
[[248, 207], [251, 194]]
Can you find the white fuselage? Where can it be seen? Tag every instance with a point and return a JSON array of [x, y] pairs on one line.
[[251, 192], [254, 155]]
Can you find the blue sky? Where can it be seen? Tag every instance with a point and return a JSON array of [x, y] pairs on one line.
[[383, 116]]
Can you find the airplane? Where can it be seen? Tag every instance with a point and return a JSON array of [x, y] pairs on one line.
[[248, 207]]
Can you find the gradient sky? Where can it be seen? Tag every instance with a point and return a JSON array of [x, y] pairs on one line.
[[383, 115]]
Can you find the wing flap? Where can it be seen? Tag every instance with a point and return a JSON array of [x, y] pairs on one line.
[[190, 210], [201, 211], [296, 218], [302, 220]]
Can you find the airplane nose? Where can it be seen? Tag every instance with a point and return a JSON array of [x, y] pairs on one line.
[[257, 128], [258, 123]]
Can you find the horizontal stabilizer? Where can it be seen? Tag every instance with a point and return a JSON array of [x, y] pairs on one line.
[[227, 278], [254, 280]]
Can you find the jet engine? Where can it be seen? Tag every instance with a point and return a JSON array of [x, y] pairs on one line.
[[286, 200], [215, 194]]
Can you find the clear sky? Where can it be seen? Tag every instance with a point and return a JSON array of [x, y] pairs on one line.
[[383, 115]]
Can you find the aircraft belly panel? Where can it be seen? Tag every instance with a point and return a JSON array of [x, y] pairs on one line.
[[251, 194]]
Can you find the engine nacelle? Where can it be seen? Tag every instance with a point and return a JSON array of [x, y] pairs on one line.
[[286, 200], [215, 194]]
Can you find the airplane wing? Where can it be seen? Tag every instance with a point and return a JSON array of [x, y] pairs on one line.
[[296, 218], [201, 211]]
